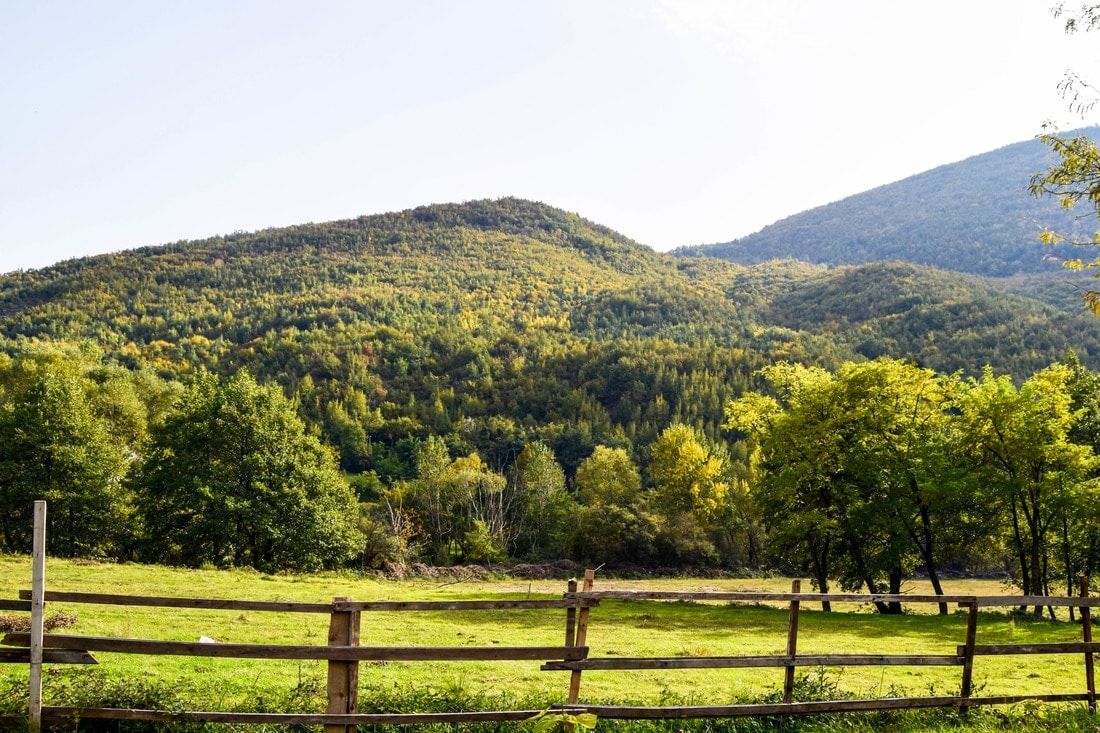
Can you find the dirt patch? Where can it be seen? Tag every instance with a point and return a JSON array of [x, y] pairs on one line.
[[15, 622]]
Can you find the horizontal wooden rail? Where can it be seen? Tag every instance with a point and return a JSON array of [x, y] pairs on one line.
[[68, 713], [748, 597], [490, 605], [55, 656], [799, 660], [591, 598], [11, 605], [296, 607], [1054, 647], [111, 599], [622, 712], [610, 712], [290, 651], [1057, 601]]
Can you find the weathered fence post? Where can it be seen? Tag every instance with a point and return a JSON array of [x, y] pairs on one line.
[[343, 677], [38, 614], [1086, 634], [580, 638], [968, 651], [792, 644], [571, 615]]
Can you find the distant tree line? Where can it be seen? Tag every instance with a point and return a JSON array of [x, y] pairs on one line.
[[857, 477]]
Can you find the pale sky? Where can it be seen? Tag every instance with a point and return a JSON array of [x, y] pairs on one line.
[[127, 123]]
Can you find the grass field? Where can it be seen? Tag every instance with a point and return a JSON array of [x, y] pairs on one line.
[[617, 628]]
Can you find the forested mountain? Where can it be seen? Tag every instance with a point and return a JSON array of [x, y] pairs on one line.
[[513, 318], [495, 378], [973, 216]]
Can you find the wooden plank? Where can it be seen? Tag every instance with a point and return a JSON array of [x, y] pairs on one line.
[[733, 596], [113, 599], [620, 712], [611, 712], [1063, 647], [227, 604], [1004, 601], [801, 660], [288, 651], [490, 605], [59, 713], [9, 605], [738, 596], [52, 656]]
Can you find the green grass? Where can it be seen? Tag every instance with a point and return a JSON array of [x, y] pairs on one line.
[[617, 628]]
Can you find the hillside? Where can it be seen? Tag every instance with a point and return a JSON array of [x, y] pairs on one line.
[[495, 323], [974, 216]]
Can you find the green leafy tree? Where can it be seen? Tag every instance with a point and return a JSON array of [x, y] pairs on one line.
[[1080, 529], [1020, 452], [689, 474], [691, 490], [53, 447], [71, 429], [436, 501], [489, 504], [608, 477], [897, 426], [851, 470], [614, 524], [793, 462], [233, 479], [545, 509]]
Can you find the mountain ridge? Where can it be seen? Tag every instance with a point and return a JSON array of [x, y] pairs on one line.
[[974, 215]]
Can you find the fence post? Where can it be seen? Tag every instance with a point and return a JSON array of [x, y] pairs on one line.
[[1086, 633], [968, 650], [343, 677], [38, 614], [571, 616], [580, 638], [792, 644]]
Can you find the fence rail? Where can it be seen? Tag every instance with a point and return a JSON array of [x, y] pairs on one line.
[[343, 653]]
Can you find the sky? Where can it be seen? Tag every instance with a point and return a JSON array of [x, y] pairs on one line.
[[675, 122]]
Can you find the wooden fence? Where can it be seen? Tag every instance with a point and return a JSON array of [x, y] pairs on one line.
[[343, 654]]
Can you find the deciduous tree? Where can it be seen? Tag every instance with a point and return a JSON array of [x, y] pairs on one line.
[[234, 479]]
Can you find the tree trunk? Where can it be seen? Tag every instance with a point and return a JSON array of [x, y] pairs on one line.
[[928, 555], [896, 577], [1021, 552], [819, 558]]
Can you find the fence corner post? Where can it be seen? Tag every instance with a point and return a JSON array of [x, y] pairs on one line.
[[38, 614], [343, 676]]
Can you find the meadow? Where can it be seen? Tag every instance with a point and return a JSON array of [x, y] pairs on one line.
[[617, 628]]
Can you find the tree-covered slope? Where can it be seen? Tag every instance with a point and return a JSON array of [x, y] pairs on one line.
[[945, 321], [495, 323], [972, 216]]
